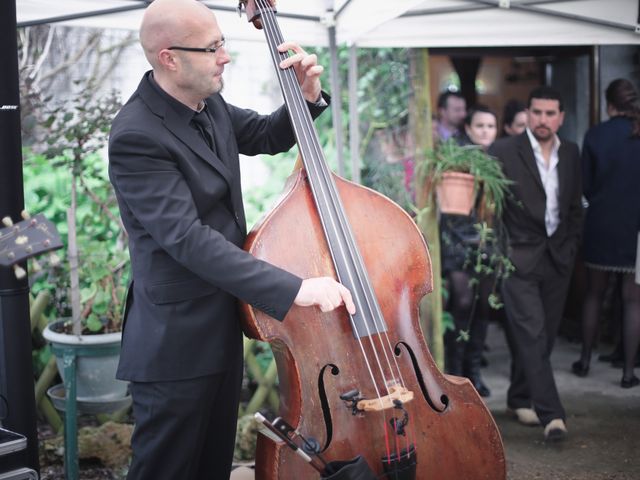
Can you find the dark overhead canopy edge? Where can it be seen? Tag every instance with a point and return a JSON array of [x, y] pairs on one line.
[[345, 5], [532, 7], [527, 6], [473, 7], [294, 16], [141, 4], [75, 16]]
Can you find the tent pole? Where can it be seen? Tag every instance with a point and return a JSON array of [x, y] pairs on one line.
[[420, 112], [336, 98], [354, 121], [17, 398]]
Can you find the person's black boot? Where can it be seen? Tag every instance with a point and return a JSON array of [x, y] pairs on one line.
[[472, 372], [454, 353], [616, 355], [473, 357]]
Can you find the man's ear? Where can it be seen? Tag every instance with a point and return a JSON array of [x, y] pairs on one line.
[[561, 117], [167, 59]]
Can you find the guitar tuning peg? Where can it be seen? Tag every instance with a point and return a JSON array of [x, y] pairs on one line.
[[7, 222], [35, 265], [19, 272], [25, 215], [54, 259]]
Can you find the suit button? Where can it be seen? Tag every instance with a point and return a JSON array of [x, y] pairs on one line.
[[237, 216]]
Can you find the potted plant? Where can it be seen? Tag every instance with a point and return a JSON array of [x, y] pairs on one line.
[[91, 284], [459, 172], [464, 176]]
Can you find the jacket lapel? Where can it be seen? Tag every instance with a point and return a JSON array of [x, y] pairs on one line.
[[227, 150], [191, 139], [525, 152], [184, 133], [563, 174], [230, 170]]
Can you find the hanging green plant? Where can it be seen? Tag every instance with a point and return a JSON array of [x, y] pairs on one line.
[[486, 170]]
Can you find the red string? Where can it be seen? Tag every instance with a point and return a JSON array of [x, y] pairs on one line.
[[406, 437], [386, 442]]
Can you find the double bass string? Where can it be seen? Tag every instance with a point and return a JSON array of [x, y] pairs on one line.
[[298, 103], [288, 83], [328, 192]]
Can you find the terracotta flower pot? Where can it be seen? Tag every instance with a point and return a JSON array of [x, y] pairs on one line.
[[456, 193]]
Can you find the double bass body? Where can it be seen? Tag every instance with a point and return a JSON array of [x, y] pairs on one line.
[[319, 358]]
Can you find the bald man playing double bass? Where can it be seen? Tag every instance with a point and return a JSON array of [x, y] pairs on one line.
[[173, 161]]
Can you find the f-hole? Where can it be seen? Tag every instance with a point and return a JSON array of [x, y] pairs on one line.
[[418, 374], [324, 402]]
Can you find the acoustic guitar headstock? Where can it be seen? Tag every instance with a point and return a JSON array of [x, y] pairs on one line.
[[30, 237]]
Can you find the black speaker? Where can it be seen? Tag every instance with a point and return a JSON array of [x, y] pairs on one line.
[[12, 455], [19, 474]]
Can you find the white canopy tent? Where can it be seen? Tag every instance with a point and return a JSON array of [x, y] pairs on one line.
[[396, 23], [307, 21], [378, 23]]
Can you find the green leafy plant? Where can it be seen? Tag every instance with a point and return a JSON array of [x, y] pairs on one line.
[[102, 256], [450, 157], [486, 258], [97, 260]]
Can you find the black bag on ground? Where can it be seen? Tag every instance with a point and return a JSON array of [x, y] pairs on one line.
[[355, 469]]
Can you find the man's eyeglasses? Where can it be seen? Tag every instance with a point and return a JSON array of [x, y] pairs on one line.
[[219, 44]]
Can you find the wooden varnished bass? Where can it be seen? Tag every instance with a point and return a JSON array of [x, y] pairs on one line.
[[364, 384]]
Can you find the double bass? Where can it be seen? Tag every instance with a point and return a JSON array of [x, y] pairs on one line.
[[364, 384]]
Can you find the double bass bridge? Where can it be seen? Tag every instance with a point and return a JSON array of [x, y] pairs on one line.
[[396, 398]]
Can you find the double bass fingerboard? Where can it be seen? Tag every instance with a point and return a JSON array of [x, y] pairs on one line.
[[346, 257]]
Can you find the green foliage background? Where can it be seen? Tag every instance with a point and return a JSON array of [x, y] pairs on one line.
[[47, 190], [383, 100]]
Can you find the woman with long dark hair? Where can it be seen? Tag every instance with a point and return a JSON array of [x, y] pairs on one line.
[[514, 118], [611, 185]]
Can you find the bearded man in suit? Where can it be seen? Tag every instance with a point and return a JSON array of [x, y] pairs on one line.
[[173, 162], [542, 218]]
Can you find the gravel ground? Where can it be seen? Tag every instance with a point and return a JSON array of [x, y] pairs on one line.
[[603, 421]]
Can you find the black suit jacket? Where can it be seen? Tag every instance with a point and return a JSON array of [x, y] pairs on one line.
[[525, 206], [182, 208]]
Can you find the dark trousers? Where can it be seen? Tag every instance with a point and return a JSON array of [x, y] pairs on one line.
[[185, 429], [534, 305]]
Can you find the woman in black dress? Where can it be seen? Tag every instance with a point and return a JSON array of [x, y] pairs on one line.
[[459, 237], [611, 185]]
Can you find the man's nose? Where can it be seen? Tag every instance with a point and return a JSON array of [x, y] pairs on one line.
[[224, 56]]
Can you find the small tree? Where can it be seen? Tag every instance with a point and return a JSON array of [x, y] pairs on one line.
[[77, 131]]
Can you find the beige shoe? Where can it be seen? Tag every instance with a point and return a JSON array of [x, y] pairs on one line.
[[555, 430], [526, 416]]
